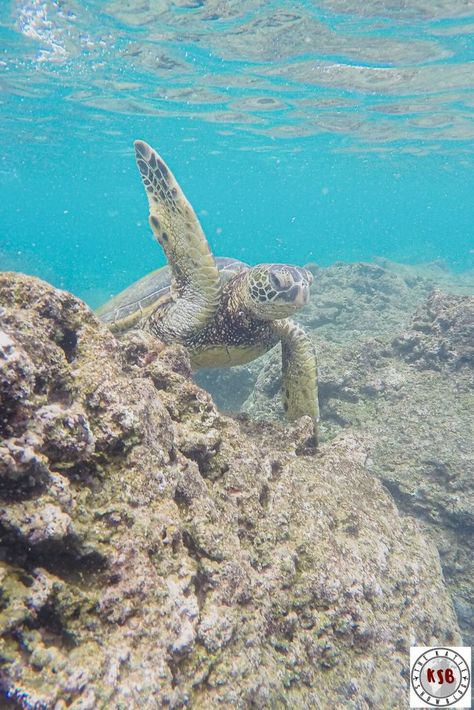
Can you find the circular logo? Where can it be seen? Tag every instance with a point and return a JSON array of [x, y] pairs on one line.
[[440, 674]]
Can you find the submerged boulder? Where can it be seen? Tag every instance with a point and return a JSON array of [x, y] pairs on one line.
[[156, 553]]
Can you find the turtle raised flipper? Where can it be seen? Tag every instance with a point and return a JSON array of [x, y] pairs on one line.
[[299, 372], [195, 285]]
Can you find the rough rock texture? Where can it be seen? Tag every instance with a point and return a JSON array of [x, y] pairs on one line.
[[397, 367], [155, 553]]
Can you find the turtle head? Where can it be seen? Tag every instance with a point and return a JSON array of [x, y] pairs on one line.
[[277, 290]]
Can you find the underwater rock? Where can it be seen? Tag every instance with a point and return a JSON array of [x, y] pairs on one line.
[[411, 402], [155, 552], [350, 300], [442, 334]]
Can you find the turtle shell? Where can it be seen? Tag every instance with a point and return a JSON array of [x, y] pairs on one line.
[[128, 307]]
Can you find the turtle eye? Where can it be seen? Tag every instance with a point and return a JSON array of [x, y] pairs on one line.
[[279, 280]]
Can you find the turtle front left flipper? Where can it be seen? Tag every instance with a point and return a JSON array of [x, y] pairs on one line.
[[299, 373], [195, 287]]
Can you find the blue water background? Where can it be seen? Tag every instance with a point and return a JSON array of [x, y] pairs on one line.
[[323, 171]]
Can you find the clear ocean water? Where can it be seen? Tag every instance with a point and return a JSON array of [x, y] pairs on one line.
[[300, 131]]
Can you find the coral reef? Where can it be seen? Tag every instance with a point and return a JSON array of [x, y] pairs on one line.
[[157, 553]]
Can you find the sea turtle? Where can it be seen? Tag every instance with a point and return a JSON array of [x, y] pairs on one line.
[[224, 311]]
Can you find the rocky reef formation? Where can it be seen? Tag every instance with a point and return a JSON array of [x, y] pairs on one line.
[[155, 553], [397, 369]]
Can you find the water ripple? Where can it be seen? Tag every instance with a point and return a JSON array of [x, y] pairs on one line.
[[379, 72]]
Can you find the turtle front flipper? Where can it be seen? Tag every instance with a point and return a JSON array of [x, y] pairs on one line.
[[299, 373], [195, 287]]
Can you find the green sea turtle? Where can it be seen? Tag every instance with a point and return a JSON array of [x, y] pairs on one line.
[[225, 312]]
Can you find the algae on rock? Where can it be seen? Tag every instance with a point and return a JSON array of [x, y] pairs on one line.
[[156, 553]]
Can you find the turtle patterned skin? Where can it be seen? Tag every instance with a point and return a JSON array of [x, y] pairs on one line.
[[225, 312]]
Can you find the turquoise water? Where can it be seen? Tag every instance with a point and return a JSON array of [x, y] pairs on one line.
[[325, 131]]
